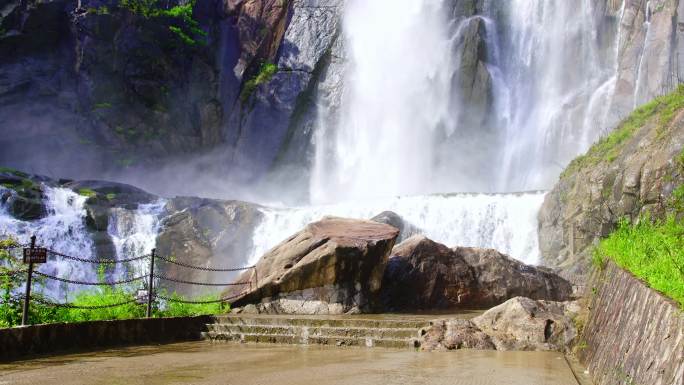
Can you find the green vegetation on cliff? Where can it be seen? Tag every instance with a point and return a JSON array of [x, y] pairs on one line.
[[186, 27], [652, 251], [609, 147], [265, 74]]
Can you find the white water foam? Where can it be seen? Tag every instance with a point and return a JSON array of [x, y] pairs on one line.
[[134, 233], [506, 222], [63, 230]]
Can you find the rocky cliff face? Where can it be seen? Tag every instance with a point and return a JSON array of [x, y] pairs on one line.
[[119, 85], [631, 173]]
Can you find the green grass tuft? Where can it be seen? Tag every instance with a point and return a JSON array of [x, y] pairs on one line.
[[652, 251], [86, 192], [608, 148]]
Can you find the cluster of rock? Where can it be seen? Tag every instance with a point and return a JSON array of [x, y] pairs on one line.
[[338, 265]]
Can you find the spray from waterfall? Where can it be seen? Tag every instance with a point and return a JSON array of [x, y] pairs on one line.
[[506, 222]]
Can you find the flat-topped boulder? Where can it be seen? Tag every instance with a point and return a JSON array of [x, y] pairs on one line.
[[422, 274], [332, 266]]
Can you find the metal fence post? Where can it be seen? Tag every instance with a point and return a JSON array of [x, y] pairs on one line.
[[27, 293], [150, 288]]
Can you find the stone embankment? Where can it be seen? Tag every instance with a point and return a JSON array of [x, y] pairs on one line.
[[34, 340], [633, 334]]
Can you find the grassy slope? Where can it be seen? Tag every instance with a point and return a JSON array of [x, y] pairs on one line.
[[651, 250]]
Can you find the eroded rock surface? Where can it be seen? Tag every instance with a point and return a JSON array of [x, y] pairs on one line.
[[206, 233], [518, 324], [332, 266], [637, 177]]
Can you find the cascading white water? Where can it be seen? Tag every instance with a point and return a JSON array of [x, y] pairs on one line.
[[63, 230], [134, 233], [561, 84], [506, 222], [397, 96]]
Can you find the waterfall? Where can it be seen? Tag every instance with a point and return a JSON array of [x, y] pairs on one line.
[[134, 233], [63, 230], [506, 222], [397, 96]]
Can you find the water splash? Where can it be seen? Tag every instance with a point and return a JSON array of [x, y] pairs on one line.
[[506, 222]]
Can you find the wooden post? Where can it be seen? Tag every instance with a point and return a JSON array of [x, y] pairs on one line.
[[150, 288], [27, 293]]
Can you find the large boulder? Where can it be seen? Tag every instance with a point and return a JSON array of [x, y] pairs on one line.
[[525, 324], [518, 324], [206, 233], [422, 274], [332, 266], [500, 277]]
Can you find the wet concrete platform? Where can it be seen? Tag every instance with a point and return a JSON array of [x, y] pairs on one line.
[[202, 363]]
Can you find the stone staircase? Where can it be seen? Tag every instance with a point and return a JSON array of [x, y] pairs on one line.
[[394, 332]]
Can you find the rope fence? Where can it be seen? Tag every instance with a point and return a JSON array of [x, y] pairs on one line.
[[34, 255]]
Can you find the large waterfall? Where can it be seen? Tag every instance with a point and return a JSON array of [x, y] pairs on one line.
[[447, 109], [420, 72]]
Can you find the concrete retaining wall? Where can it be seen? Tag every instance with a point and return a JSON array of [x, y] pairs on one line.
[[50, 338], [634, 335]]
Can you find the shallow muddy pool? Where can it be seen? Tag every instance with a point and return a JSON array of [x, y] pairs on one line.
[[205, 363]]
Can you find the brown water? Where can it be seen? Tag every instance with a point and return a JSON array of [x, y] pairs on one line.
[[205, 363]]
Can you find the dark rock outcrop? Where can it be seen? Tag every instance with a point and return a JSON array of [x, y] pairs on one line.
[[23, 194], [208, 233], [422, 274], [332, 266], [518, 324]]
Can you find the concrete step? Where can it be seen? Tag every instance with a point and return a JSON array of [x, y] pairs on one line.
[[356, 332], [313, 340], [321, 322], [393, 332]]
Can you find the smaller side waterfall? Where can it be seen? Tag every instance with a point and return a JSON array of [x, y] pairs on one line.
[[506, 222], [63, 229], [134, 233]]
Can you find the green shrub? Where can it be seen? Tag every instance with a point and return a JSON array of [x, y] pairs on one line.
[[86, 192], [185, 26], [266, 72], [652, 251]]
